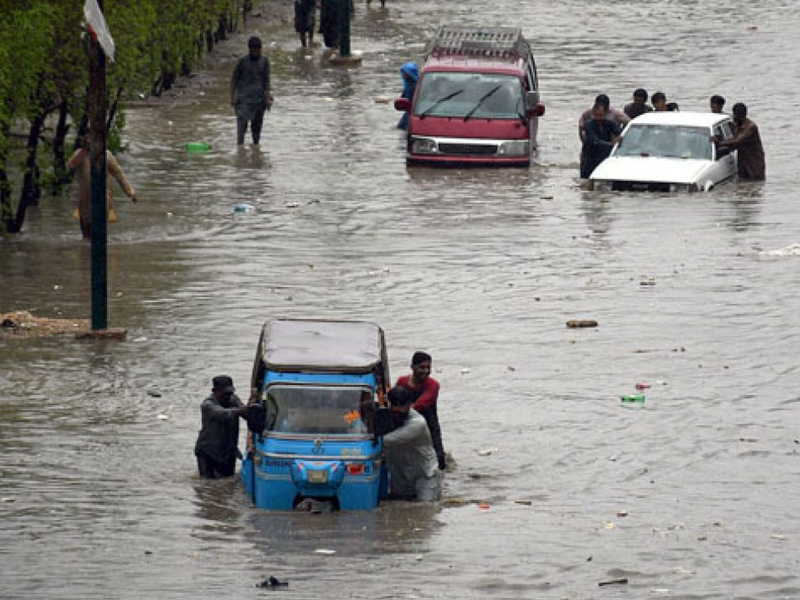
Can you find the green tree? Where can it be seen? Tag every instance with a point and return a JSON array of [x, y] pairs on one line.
[[43, 72]]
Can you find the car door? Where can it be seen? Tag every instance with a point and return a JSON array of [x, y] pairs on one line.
[[531, 85], [725, 162]]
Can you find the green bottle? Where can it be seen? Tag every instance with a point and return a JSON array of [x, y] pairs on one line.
[[633, 398]]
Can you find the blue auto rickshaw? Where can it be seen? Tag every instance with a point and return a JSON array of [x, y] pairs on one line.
[[320, 385]]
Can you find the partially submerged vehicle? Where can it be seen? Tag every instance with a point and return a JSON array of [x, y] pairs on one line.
[[320, 384], [476, 102], [669, 152]]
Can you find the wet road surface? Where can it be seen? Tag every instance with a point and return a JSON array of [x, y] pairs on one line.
[[482, 269]]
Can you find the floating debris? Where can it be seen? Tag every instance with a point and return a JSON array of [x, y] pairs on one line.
[[487, 451], [622, 512], [272, 582], [621, 581], [523, 502], [633, 398], [324, 551], [579, 323], [25, 325], [244, 208], [792, 250], [197, 147], [162, 417]]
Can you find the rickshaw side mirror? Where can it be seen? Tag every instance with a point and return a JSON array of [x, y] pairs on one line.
[[256, 417], [403, 104]]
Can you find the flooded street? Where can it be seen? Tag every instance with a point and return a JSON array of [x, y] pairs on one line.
[[693, 294]]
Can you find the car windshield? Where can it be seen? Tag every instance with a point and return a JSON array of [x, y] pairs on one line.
[[666, 141], [471, 95], [318, 410]]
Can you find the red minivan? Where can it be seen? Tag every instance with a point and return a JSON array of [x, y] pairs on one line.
[[476, 101]]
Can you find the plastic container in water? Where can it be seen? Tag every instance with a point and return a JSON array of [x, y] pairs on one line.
[[633, 399], [197, 147], [244, 207]]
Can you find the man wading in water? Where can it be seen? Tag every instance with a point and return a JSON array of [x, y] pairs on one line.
[[251, 91], [217, 444], [425, 394]]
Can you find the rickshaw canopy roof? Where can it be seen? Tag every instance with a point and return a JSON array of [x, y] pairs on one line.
[[319, 345]]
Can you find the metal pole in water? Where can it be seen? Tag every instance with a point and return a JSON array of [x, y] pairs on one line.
[[344, 28], [97, 121]]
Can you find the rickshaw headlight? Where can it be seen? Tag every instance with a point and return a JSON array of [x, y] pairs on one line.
[[423, 146]]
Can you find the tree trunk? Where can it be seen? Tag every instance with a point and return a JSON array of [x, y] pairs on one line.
[[6, 212], [112, 111], [30, 183], [59, 155]]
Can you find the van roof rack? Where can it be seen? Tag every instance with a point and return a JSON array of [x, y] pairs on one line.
[[483, 41]]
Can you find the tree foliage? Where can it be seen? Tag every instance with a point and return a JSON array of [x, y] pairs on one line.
[[44, 74]]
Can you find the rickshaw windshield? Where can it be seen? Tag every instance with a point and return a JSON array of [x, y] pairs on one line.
[[314, 410]]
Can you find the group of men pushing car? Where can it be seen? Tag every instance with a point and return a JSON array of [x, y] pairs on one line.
[[414, 451], [600, 127]]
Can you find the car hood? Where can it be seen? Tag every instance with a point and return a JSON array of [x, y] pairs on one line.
[[649, 168]]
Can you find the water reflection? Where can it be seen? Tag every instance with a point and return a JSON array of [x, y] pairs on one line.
[[394, 527]]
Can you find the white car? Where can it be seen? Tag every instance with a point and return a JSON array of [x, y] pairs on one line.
[[668, 152]]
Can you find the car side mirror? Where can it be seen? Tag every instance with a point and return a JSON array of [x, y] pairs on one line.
[[537, 111], [531, 101], [403, 104], [723, 151]]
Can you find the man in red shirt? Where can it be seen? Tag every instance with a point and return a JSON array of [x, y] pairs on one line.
[[426, 392]]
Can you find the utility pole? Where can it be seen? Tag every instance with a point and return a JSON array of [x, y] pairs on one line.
[[345, 57], [99, 48], [344, 28], [97, 124]]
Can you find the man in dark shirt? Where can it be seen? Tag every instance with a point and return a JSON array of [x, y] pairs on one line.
[[601, 135], [639, 105], [217, 444], [251, 91]]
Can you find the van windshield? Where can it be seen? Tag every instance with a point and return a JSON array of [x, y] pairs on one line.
[[318, 410], [666, 141], [476, 95]]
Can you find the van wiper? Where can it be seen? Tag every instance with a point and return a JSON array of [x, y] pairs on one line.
[[481, 101], [425, 112]]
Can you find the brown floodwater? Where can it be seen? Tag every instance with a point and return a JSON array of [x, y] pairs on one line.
[[100, 497]]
